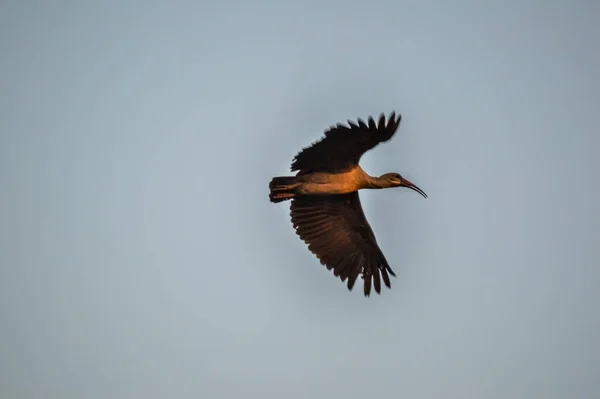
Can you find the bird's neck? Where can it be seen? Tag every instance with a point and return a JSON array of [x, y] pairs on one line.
[[376, 182]]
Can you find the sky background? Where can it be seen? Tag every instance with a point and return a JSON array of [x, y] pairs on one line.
[[140, 256]]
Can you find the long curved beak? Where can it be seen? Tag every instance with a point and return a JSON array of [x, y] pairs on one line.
[[412, 186]]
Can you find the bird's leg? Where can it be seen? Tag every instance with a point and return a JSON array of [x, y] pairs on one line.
[[285, 187]]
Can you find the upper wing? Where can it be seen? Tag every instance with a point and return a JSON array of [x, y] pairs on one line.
[[342, 146], [337, 232]]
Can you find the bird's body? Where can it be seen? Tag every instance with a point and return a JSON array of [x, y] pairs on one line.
[[322, 183], [326, 210]]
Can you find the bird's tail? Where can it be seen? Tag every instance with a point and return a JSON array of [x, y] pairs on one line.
[[282, 188]]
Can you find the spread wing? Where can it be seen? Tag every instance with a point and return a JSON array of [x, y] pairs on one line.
[[343, 145], [337, 232]]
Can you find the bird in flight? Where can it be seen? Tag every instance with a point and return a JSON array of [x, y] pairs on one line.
[[325, 207]]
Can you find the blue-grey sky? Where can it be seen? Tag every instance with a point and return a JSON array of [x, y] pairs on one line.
[[140, 256]]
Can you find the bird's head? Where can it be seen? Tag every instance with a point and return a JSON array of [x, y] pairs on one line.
[[396, 180]]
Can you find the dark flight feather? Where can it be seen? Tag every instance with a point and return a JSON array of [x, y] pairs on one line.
[[343, 145], [336, 230]]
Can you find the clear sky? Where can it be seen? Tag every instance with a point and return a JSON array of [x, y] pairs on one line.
[[140, 256]]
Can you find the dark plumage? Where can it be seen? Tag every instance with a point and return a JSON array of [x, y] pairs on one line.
[[343, 145], [326, 210]]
